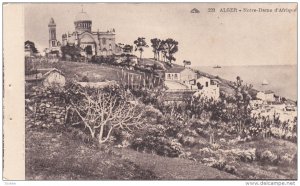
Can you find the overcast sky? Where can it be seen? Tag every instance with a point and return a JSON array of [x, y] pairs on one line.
[[205, 39]]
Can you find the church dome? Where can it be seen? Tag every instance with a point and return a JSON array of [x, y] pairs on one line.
[[82, 16]]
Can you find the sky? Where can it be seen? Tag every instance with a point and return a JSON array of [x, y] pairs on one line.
[[206, 39]]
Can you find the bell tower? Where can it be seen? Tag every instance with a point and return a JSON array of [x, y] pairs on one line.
[[52, 34]]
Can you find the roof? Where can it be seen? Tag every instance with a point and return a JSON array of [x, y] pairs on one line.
[[203, 77], [267, 92], [41, 74], [82, 16], [216, 80], [175, 70]]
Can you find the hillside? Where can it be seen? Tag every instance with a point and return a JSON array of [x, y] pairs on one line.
[[225, 85], [54, 155], [173, 144]]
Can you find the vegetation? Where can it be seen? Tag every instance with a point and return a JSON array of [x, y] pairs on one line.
[[221, 134], [167, 47], [171, 47], [185, 63], [31, 46], [157, 46], [104, 110], [71, 50], [140, 44]]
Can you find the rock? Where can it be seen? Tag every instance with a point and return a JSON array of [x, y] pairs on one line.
[[47, 105], [57, 120]]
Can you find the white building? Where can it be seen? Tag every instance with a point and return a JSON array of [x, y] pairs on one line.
[[184, 75], [266, 95], [207, 87]]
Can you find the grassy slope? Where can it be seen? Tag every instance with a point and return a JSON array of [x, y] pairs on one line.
[[95, 72], [53, 155], [175, 168]]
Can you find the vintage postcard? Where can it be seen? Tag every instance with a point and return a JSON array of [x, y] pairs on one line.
[[150, 91]]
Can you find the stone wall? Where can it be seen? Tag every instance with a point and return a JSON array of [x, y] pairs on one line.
[[44, 107]]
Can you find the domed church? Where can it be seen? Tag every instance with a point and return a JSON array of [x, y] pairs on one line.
[[93, 43]]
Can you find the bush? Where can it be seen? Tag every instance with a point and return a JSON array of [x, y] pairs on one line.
[[154, 139], [267, 157], [230, 169], [188, 141], [85, 79]]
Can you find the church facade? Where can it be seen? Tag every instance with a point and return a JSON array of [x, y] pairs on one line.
[[91, 42]]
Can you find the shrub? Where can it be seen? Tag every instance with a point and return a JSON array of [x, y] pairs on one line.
[[188, 141], [206, 152], [215, 146], [230, 169], [286, 159], [85, 79], [154, 138], [267, 157]]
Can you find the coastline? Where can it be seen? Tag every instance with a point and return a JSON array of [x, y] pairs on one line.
[[279, 85]]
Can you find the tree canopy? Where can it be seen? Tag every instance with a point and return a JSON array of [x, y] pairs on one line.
[[140, 44], [31, 45], [171, 47], [71, 50]]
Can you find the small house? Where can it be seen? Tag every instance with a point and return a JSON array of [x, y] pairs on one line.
[[184, 75], [46, 77], [207, 87]]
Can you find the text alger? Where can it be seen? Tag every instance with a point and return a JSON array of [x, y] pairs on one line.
[[228, 10]]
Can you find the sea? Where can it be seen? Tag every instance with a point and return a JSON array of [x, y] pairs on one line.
[[282, 79]]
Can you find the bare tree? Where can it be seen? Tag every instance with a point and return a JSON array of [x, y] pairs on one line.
[[105, 111]]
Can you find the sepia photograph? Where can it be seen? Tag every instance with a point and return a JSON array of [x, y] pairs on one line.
[[159, 91]]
